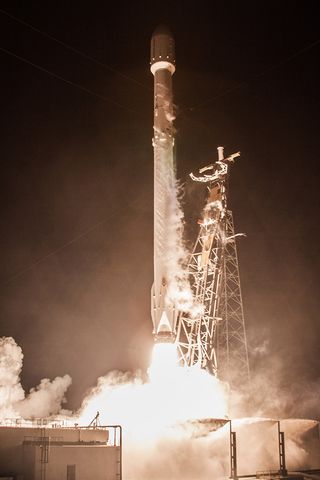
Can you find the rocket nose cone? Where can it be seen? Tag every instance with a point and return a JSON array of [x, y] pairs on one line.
[[162, 30], [162, 48]]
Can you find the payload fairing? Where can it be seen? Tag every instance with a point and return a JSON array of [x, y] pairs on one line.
[[164, 312]]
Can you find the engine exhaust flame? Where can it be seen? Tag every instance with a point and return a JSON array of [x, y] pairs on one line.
[[171, 395], [164, 363]]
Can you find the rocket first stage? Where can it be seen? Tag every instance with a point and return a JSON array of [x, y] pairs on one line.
[[164, 313]]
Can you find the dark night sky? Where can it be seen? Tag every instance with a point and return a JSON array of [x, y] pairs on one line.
[[77, 173]]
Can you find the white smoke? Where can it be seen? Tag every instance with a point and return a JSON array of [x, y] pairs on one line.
[[45, 399], [42, 401], [273, 390], [261, 349], [213, 205], [179, 456], [144, 408], [164, 440], [162, 437], [159, 419], [11, 391], [277, 397], [179, 290]]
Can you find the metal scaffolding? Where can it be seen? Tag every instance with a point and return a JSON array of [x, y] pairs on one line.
[[213, 335], [232, 351]]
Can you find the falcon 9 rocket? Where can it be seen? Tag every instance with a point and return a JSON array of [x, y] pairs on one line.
[[164, 312]]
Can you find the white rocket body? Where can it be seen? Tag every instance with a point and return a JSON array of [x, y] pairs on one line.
[[164, 313]]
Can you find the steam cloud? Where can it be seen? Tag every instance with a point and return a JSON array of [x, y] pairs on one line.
[[159, 445], [163, 436], [179, 289], [43, 401], [179, 457]]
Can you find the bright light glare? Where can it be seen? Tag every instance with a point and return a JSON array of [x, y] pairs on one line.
[[173, 395], [164, 363]]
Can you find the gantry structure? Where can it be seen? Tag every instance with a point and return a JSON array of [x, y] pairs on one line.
[[213, 334]]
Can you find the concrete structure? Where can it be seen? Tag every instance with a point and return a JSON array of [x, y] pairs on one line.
[[51, 453]]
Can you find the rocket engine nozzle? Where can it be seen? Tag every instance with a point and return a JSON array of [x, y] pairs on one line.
[[164, 337]]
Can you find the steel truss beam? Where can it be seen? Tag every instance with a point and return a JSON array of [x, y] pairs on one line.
[[215, 336]]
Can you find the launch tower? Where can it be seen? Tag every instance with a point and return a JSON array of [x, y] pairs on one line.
[[215, 338]]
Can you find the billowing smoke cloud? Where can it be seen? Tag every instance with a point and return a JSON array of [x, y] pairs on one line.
[[163, 438], [167, 437], [148, 406], [169, 432], [11, 391], [42, 401], [166, 424], [45, 399], [179, 289], [270, 393], [178, 456]]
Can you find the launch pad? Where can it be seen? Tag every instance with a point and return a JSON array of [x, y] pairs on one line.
[[244, 448], [35, 450], [213, 339]]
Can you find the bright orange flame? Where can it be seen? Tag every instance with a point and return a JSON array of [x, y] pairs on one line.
[[174, 394]]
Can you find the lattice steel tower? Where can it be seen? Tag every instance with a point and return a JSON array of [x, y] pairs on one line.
[[214, 336]]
